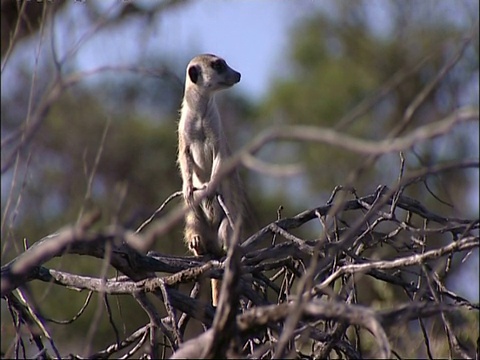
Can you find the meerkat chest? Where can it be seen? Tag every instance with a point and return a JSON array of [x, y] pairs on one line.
[[202, 136]]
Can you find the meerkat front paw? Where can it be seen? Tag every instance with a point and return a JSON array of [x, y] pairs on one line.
[[188, 194], [203, 190]]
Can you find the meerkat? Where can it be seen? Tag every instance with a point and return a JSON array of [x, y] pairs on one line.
[[202, 149]]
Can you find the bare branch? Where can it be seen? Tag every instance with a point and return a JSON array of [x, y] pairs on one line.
[[459, 245]]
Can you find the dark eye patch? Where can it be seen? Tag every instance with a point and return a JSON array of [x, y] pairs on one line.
[[219, 65]]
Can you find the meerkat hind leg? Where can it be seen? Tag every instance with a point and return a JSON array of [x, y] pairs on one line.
[[193, 236], [195, 242]]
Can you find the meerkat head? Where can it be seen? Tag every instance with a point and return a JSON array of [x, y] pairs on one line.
[[210, 73]]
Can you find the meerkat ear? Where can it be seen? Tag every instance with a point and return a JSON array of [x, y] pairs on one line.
[[194, 73]]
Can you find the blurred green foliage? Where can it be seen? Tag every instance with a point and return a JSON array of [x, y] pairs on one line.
[[336, 61], [339, 61]]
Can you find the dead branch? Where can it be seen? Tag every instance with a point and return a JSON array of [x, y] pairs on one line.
[[250, 287]]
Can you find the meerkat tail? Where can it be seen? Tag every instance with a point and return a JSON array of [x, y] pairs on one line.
[[216, 287]]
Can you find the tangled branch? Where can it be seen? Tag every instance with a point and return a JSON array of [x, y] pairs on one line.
[[264, 279]]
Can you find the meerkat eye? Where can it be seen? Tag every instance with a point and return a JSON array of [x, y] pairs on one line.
[[219, 65]]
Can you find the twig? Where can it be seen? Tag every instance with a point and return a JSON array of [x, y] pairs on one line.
[[156, 212], [460, 245]]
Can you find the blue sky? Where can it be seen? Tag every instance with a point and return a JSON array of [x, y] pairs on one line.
[[207, 26]]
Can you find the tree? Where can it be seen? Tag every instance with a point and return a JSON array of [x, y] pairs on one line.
[[363, 272]]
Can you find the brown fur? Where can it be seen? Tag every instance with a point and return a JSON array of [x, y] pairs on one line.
[[203, 149]]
